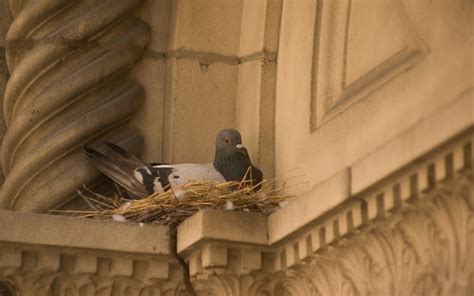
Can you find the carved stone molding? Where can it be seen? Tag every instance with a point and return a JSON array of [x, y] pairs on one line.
[[424, 249], [68, 62], [346, 67], [48, 272], [84, 257], [410, 234]]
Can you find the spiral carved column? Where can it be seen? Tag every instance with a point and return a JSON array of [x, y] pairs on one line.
[[69, 62]]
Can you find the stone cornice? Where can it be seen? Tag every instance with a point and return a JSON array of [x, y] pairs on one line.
[[83, 256], [73, 234], [258, 250], [402, 185]]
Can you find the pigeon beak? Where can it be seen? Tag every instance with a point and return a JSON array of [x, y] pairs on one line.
[[241, 149]]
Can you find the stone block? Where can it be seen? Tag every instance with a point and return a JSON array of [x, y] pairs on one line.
[[20, 227], [290, 255], [413, 142], [316, 242], [440, 168], [10, 257], [150, 270], [389, 199], [357, 216], [405, 192], [195, 263], [422, 179], [48, 261], [272, 24], [268, 262], [371, 207], [122, 266], [253, 16], [251, 259], [158, 269], [201, 103], [343, 224], [223, 225], [248, 104], [329, 235], [157, 14], [148, 121], [207, 26], [309, 206], [214, 255], [256, 111], [458, 158], [85, 264]]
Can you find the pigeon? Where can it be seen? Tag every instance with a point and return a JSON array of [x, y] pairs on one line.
[[231, 163]]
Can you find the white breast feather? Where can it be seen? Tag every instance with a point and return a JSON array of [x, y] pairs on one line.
[[187, 172]]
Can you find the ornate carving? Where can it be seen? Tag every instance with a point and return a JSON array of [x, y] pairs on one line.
[[37, 273], [68, 62], [411, 234], [425, 249]]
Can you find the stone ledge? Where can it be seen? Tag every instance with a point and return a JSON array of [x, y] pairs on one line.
[[422, 137], [304, 209], [247, 228], [406, 150], [77, 233], [225, 240]]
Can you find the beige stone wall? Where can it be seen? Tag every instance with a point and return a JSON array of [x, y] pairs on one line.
[[352, 75]]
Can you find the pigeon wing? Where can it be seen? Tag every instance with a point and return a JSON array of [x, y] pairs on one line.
[[120, 152], [120, 169]]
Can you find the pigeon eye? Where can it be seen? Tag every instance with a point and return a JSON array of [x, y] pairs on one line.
[[226, 140]]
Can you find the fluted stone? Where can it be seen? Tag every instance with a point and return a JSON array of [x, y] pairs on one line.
[[69, 64]]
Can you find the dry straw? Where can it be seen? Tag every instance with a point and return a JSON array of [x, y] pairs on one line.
[[173, 206]]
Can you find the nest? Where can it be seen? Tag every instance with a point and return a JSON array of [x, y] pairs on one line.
[[175, 205]]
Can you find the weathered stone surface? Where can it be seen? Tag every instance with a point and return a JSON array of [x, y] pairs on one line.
[[68, 86], [200, 104], [307, 207], [382, 108], [210, 26], [64, 232], [242, 227], [370, 103], [419, 245], [89, 257]]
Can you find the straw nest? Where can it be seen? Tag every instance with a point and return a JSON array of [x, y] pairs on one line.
[[173, 206]]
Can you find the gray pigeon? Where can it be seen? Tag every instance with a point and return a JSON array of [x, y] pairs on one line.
[[231, 163]]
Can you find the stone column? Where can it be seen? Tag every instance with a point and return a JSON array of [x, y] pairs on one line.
[[5, 19], [69, 64]]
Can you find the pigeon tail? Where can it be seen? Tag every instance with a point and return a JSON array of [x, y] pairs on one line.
[[118, 168]]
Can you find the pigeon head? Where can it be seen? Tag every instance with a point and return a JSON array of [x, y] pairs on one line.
[[229, 142], [232, 159]]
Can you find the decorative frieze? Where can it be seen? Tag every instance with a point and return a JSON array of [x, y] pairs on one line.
[[407, 235], [50, 272], [74, 256]]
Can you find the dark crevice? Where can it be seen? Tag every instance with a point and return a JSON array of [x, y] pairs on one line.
[[180, 260]]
